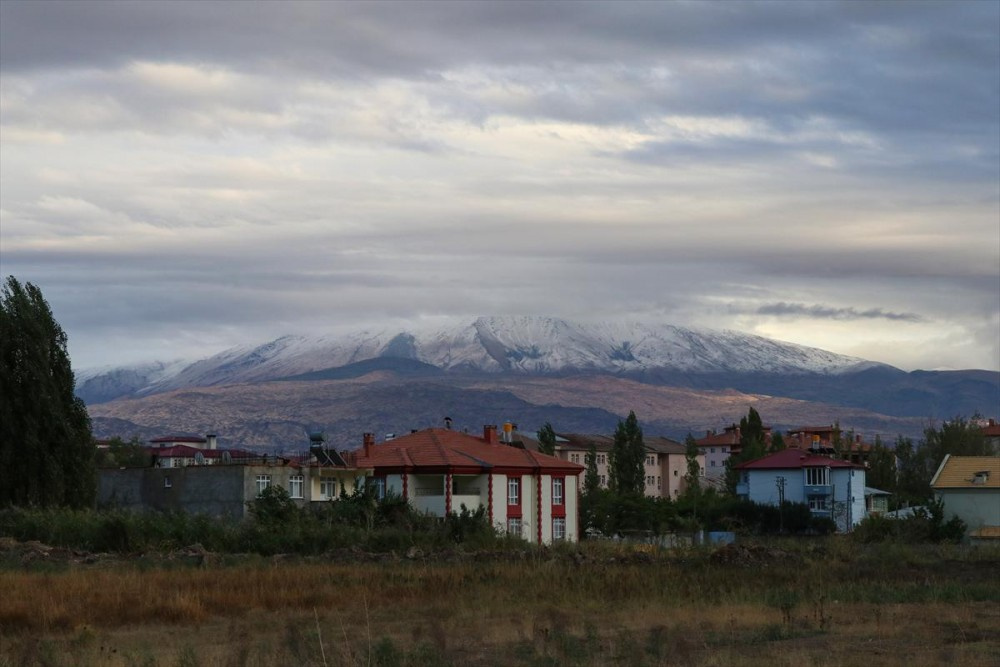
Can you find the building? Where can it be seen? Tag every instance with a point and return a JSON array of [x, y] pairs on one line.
[[665, 468], [969, 488], [203, 480], [829, 440], [991, 433], [438, 470], [876, 501], [831, 487], [716, 448]]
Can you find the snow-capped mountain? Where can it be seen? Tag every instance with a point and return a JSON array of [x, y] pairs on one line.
[[528, 345]]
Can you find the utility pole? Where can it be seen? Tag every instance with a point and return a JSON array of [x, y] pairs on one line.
[[780, 483]]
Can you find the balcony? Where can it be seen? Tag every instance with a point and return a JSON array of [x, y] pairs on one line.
[[817, 490]]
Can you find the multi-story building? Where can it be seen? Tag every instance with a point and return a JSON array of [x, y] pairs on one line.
[[665, 467], [437, 470], [831, 487]]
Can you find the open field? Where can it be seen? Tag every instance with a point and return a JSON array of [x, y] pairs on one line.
[[800, 603]]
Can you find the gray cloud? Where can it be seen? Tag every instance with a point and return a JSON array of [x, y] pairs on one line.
[[235, 174], [782, 309]]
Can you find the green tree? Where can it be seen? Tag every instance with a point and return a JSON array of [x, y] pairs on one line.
[[547, 439], [777, 443], [591, 480], [752, 446], [881, 472], [46, 447], [627, 459], [692, 480], [119, 453]]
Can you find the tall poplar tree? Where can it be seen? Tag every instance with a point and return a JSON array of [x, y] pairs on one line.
[[627, 471], [547, 439], [46, 447]]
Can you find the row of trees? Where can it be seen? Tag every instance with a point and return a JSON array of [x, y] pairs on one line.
[[46, 446]]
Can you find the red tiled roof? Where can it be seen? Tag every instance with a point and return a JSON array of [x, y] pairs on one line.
[[795, 458], [445, 449], [180, 438], [185, 451], [716, 439]]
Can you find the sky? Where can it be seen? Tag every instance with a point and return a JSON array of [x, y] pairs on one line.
[[181, 177]]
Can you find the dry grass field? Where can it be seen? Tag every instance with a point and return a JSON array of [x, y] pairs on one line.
[[802, 604]]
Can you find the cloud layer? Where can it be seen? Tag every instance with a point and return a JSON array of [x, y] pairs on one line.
[[178, 177]]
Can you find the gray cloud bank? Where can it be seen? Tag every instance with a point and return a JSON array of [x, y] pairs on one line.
[[181, 176]]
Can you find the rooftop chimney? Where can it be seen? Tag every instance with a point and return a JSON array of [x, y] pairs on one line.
[[447, 423], [369, 440], [490, 434]]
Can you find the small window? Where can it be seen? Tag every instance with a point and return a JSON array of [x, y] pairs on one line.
[[725, 449], [557, 491], [712, 463], [514, 491], [379, 488], [263, 481], [712, 449], [327, 489], [559, 529], [295, 486], [675, 472], [514, 527]]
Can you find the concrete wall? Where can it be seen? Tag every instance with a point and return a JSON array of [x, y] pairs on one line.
[[976, 507], [221, 490]]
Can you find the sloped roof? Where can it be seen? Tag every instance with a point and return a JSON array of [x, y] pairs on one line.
[[662, 445], [180, 438], [795, 458], [959, 472], [185, 451], [440, 448]]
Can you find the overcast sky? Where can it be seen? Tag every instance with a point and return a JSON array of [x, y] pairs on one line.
[[180, 177]]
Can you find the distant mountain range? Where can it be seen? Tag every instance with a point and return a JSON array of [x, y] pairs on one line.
[[450, 369]]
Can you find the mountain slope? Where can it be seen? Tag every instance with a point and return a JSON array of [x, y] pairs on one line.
[[529, 345]]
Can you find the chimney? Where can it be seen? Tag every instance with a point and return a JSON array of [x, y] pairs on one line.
[[447, 423], [490, 434], [211, 440], [369, 440]]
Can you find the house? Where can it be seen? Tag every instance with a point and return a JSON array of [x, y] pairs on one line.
[[203, 480], [831, 487], [438, 470], [829, 440], [991, 433], [969, 488], [876, 501], [718, 447], [665, 467]]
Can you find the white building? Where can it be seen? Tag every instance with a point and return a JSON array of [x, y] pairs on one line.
[[438, 470]]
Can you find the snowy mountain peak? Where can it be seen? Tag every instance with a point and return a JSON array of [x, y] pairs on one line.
[[516, 344]]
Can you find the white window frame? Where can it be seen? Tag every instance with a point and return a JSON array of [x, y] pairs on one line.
[[327, 489], [167, 483], [513, 491], [557, 490], [558, 529], [263, 482], [515, 527], [380, 486], [295, 483], [818, 503], [817, 476]]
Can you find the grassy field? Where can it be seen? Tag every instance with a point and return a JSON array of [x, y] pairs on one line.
[[801, 603]]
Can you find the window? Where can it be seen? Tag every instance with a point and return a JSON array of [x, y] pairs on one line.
[[559, 528], [604, 480], [175, 463], [263, 481], [167, 484], [379, 487], [675, 473], [658, 486], [295, 486], [557, 491], [712, 464], [817, 503], [650, 461], [514, 527], [817, 476], [712, 449], [725, 449], [514, 491], [327, 489]]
